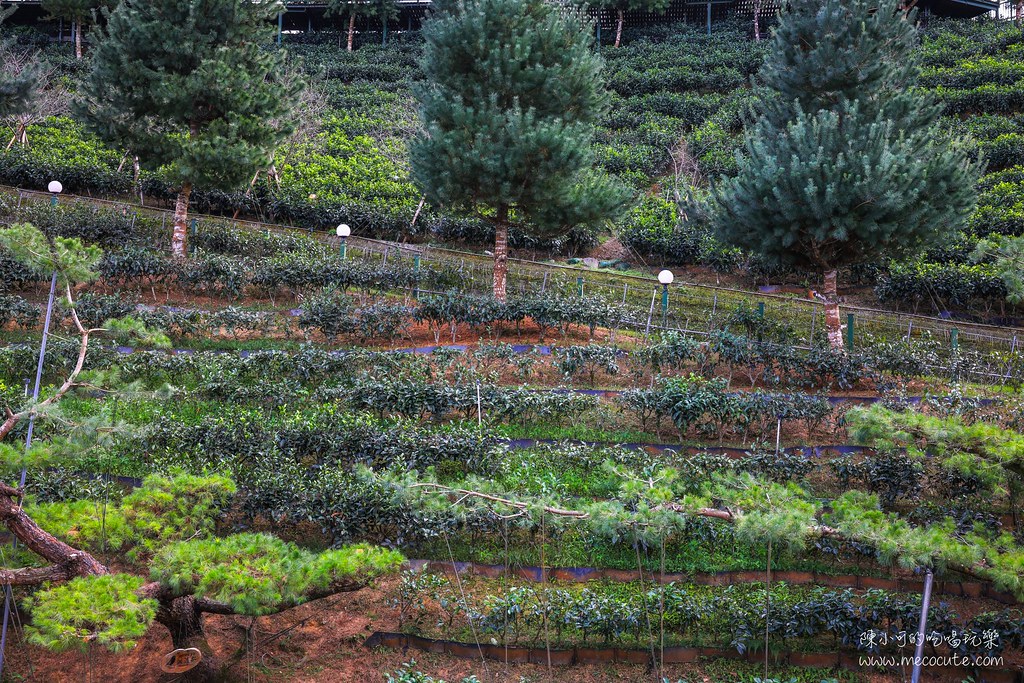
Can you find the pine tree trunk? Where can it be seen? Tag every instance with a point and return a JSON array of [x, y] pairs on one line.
[[72, 561], [833, 323], [501, 252], [78, 39], [618, 27], [180, 235], [351, 29], [183, 619]]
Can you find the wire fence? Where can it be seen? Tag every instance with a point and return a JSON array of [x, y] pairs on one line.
[[695, 308]]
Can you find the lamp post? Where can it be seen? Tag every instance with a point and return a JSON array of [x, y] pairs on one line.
[[343, 231], [665, 277], [55, 188]]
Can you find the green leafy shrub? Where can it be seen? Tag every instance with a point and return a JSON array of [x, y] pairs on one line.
[[14, 309], [104, 609], [330, 311], [954, 285], [572, 360]]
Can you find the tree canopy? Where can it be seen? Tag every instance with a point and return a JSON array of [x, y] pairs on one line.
[[845, 162], [192, 88], [512, 93]]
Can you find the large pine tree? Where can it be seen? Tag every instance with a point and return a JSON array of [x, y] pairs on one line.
[[191, 87], [512, 93], [846, 162], [79, 13]]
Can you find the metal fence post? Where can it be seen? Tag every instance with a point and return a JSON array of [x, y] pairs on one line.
[[416, 271], [664, 308], [650, 313], [915, 675], [8, 595], [849, 331]]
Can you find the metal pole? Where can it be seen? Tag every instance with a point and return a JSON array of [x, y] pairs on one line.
[[280, 27], [9, 595], [664, 307], [1009, 361], [919, 647], [416, 270], [650, 313], [849, 331], [954, 338], [384, 38], [709, 17], [342, 249], [579, 285]]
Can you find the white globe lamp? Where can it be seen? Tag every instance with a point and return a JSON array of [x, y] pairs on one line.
[[343, 231], [665, 277]]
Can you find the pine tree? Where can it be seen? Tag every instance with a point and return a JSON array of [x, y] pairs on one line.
[[165, 528], [512, 94], [846, 162], [623, 6], [78, 12], [191, 87], [16, 87], [385, 10]]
